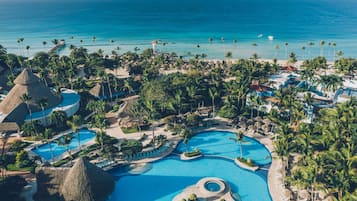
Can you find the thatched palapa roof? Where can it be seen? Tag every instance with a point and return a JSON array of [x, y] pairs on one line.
[[83, 182], [101, 91], [27, 83]]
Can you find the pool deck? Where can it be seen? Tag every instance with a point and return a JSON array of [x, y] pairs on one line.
[[275, 177]]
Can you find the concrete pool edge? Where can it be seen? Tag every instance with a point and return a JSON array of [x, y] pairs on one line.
[[35, 145], [201, 191]]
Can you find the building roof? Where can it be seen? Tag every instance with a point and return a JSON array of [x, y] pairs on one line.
[[101, 90], [26, 77], [9, 126], [260, 88], [289, 68], [27, 83], [83, 182]]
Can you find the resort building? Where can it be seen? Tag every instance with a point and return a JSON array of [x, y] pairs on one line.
[[82, 182], [104, 91], [22, 103]]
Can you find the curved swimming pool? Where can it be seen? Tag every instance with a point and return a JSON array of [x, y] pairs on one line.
[[46, 151], [169, 176]]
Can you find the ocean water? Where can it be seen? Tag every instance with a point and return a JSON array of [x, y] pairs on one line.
[[183, 24]]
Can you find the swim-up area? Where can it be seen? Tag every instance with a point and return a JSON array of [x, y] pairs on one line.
[[170, 176], [53, 149], [69, 104]]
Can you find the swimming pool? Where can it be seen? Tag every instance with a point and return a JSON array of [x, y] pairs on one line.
[[69, 104], [45, 150], [168, 177]]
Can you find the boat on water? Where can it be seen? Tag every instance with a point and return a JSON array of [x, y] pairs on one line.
[[260, 35], [270, 37]]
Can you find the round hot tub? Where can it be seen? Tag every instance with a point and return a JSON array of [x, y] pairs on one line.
[[212, 186]]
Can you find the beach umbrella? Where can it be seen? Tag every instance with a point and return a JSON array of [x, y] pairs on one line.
[[267, 121], [250, 122], [258, 118], [265, 128]]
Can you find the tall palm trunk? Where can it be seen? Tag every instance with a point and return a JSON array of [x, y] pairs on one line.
[[153, 134], [79, 140]]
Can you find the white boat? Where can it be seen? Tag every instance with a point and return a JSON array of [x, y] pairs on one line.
[[271, 37], [260, 35]]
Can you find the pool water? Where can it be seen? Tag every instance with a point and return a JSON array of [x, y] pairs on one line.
[[44, 151], [169, 176], [212, 186]]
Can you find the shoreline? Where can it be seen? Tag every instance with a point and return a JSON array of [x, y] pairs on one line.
[[215, 51]]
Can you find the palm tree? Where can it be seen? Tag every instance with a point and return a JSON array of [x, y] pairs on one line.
[[334, 51], [47, 134], [228, 55], [44, 43], [255, 47], [138, 113], [322, 43], [292, 58], [277, 47], [222, 39], [28, 48], [286, 49], [26, 98], [239, 138], [75, 124], [310, 44], [210, 39], [186, 134], [58, 118], [42, 103], [65, 141], [213, 93], [303, 48], [99, 137]]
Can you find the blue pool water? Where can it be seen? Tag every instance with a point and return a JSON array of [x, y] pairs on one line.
[[45, 150], [169, 176], [212, 186], [183, 24], [68, 98]]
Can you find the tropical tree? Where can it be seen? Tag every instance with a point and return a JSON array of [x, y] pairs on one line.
[[58, 118], [186, 134], [42, 103], [75, 123], [322, 43], [65, 141], [239, 138], [213, 93], [26, 98], [47, 134]]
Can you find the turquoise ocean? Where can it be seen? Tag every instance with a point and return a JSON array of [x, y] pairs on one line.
[[183, 25]]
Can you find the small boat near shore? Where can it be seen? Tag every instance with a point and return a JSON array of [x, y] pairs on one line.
[[270, 38]]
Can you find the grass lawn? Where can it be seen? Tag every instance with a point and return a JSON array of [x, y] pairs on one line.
[[130, 130], [13, 167]]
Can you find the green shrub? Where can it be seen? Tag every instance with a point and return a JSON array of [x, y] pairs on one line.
[[196, 152], [130, 130], [192, 197], [60, 162], [18, 146], [248, 161], [22, 159]]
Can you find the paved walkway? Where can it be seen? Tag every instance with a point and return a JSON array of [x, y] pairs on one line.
[[275, 183]]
